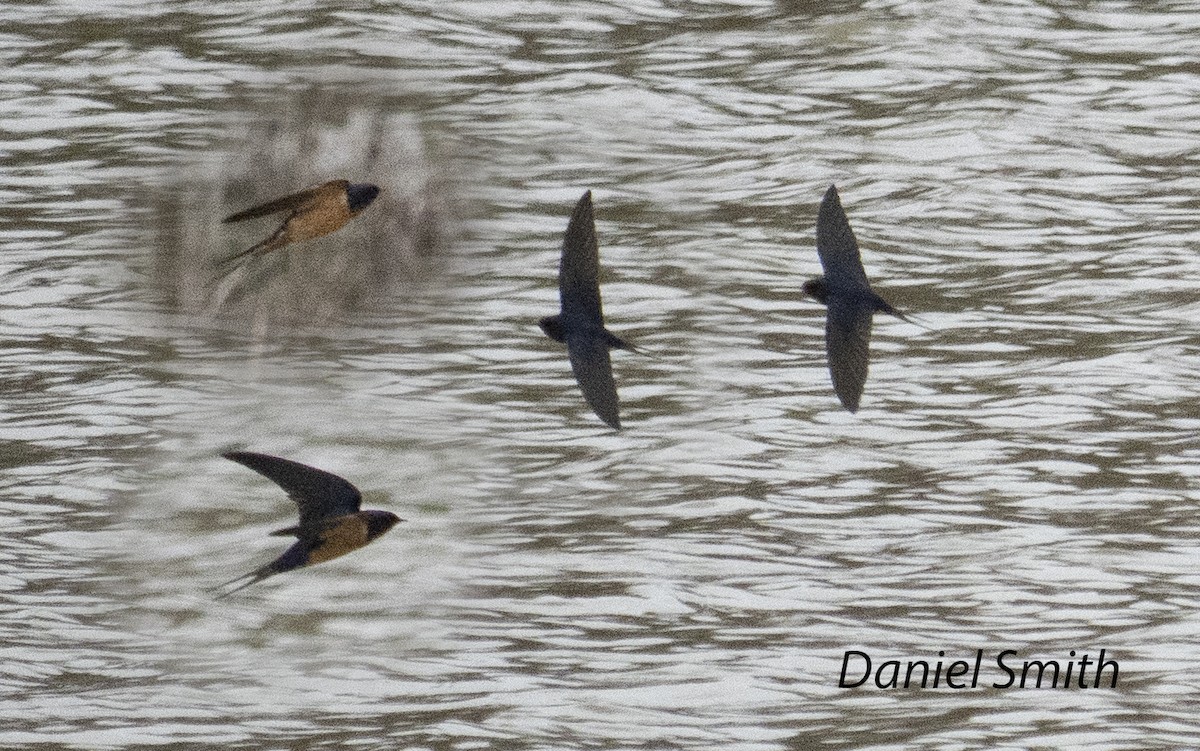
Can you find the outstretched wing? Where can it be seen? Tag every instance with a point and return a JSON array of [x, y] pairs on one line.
[[290, 202], [847, 345], [579, 270], [588, 353], [836, 244], [319, 495]]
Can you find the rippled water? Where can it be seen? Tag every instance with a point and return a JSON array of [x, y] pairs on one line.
[[1022, 475]]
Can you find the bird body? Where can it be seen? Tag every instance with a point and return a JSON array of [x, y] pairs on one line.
[[849, 300], [313, 212], [331, 523], [580, 321]]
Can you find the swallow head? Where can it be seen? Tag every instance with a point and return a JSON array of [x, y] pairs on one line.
[[816, 289], [379, 522], [360, 196], [552, 327]]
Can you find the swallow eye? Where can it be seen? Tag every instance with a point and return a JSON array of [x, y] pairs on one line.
[[360, 195]]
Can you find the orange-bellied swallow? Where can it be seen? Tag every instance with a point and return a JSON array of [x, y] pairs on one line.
[[580, 322], [849, 300], [331, 523], [314, 212]]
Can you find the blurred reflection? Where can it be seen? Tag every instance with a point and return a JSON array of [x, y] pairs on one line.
[[314, 138]]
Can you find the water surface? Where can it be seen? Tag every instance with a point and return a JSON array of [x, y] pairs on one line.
[[1022, 474]]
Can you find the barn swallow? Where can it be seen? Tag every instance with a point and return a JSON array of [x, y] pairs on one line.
[[580, 322], [849, 300], [331, 524], [314, 211]]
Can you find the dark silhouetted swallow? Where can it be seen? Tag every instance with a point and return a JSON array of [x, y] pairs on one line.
[[580, 322], [849, 300], [331, 523], [315, 212]]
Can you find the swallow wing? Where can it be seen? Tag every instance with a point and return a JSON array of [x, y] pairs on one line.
[[590, 362], [319, 495], [847, 345], [836, 244], [291, 202], [579, 270]]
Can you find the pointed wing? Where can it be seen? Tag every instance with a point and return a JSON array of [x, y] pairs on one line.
[[847, 345], [290, 202], [836, 244], [318, 494], [579, 270], [588, 353]]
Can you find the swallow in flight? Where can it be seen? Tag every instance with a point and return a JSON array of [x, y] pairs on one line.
[[580, 322], [849, 300], [313, 212], [331, 523]]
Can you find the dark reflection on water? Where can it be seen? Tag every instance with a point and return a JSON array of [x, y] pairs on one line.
[[1022, 474]]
